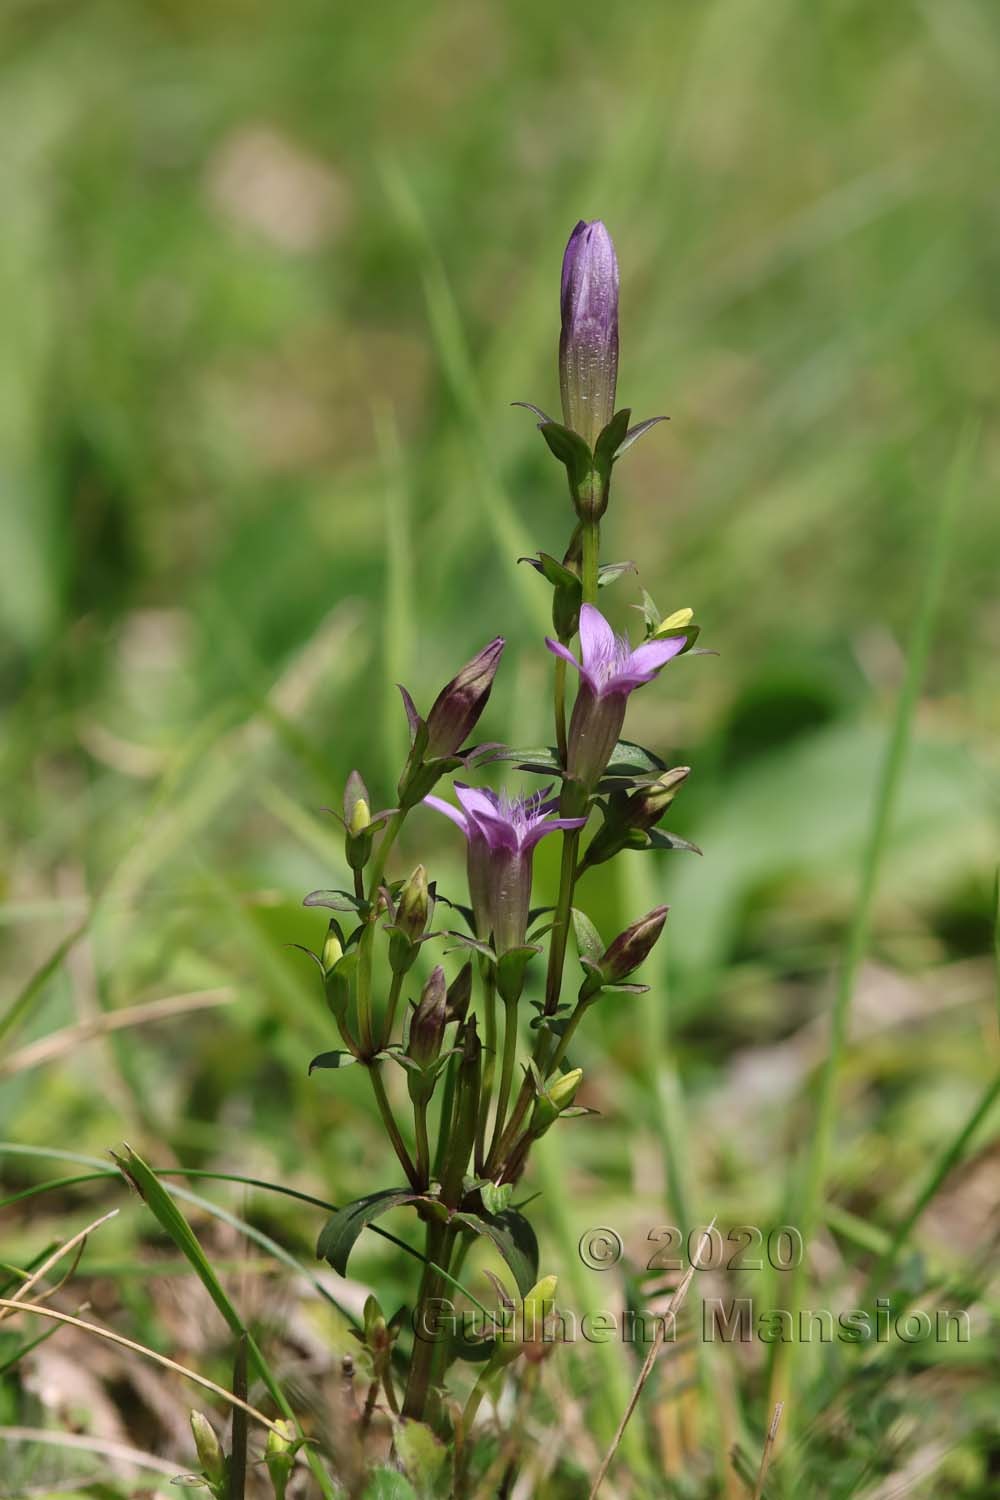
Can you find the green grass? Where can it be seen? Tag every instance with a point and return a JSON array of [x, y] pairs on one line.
[[270, 278]]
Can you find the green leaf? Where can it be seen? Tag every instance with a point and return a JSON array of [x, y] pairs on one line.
[[537, 758], [513, 1237], [610, 571], [169, 1216], [388, 1484], [333, 1060], [495, 1197], [589, 943], [660, 839], [554, 571], [341, 1230], [423, 1456], [334, 900], [632, 760]]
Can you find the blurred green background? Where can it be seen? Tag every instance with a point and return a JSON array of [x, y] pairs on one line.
[[270, 278]]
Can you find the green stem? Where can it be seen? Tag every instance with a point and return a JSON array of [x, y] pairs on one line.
[[444, 1118], [423, 1144], [506, 1077], [489, 1059], [591, 539], [392, 1129], [559, 705], [389, 837], [366, 945], [395, 989], [553, 985]]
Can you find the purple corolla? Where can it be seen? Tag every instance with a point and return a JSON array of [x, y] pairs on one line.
[[588, 346], [609, 671], [502, 832]]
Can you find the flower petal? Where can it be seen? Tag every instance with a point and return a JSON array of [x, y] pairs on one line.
[[597, 639], [541, 829], [457, 817], [650, 657], [558, 649], [476, 801]]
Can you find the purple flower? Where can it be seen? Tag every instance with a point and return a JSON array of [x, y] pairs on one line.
[[502, 832], [588, 346], [609, 670]]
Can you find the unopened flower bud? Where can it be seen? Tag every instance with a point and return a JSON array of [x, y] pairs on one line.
[[588, 346], [630, 816], [457, 708], [279, 1455], [550, 1104], [210, 1454], [633, 946], [333, 946], [414, 904], [460, 993], [429, 1020], [412, 913], [357, 821]]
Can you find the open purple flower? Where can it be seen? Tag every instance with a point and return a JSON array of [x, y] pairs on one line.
[[502, 832], [588, 346], [609, 671]]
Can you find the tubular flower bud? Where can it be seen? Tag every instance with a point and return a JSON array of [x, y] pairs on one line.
[[631, 815], [557, 1097], [456, 710], [502, 833], [412, 914], [429, 1020], [279, 1455], [632, 947], [333, 946], [460, 993], [357, 821], [210, 1454], [588, 345], [609, 671]]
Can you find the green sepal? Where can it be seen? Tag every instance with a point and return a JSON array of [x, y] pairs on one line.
[[511, 968], [608, 443], [634, 434], [571, 451]]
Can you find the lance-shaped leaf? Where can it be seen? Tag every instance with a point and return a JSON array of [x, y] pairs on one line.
[[335, 900], [609, 442], [341, 1230], [513, 1237], [333, 1060]]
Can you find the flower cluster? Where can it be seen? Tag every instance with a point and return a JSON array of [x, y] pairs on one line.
[[482, 1086]]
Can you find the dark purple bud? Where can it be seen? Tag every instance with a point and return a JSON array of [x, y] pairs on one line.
[[460, 993], [457, 708], [429, 1021], [633, 946], [588, 346]]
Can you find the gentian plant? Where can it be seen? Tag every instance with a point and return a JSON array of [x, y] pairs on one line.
[[485, 1042]]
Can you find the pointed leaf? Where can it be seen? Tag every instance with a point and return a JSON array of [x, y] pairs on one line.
[[513, 1237], [530, 406], [341, 1230], [610, 571], [659, 839], [333, 1060], [610, 440], [334, 900], [589, 943], [570, 449]]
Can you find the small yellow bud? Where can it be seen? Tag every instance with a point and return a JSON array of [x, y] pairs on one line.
[[361, 816], [676, 621]]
